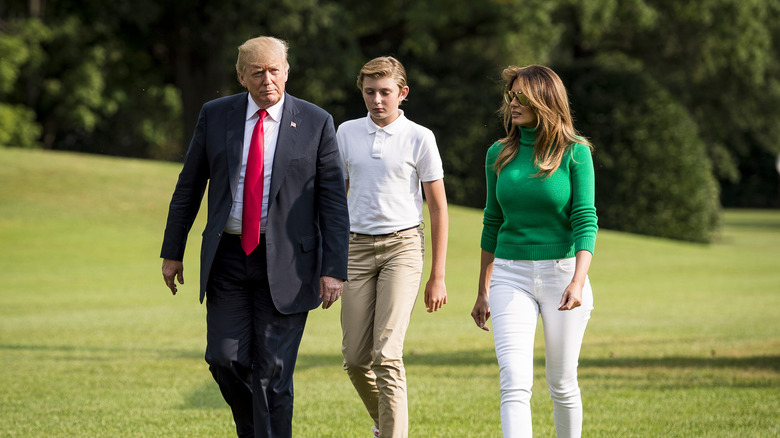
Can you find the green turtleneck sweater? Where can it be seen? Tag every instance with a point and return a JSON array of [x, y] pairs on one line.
[[532, 218]]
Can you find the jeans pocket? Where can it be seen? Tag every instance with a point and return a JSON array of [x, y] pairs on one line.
[[566, 265], [500, 263]]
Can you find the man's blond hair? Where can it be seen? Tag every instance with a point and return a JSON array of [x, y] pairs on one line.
[[261, 50]]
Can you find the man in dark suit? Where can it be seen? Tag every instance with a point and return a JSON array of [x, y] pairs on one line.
[[276, 240]]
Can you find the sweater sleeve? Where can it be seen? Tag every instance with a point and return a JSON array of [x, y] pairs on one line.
[[583, 210], [493, 216]]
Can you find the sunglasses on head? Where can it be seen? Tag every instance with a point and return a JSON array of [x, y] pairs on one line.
[[509, 96]]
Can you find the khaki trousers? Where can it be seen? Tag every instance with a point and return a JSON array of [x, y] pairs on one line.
[[384, 280]]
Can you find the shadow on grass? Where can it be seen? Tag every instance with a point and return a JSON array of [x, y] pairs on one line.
[[103, 353], [488, 358], [675, 373], [751, 362], [206, 396], [456, 358]]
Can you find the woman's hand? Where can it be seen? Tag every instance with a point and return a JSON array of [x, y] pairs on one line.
[[481, 311], [572, 297]]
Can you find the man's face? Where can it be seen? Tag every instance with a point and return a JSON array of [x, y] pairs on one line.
[[265, 82], [382, 97]]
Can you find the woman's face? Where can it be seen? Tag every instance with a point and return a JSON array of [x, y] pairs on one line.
[[524, 116]]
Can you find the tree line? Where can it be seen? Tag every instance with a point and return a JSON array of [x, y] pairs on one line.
[[680, 98]]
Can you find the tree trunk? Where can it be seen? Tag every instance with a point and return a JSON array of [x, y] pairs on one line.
[[199, 79]]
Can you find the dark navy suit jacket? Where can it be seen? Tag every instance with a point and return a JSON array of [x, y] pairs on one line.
[[307, 229]]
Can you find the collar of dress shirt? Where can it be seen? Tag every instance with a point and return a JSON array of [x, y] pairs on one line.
[[275, 111]]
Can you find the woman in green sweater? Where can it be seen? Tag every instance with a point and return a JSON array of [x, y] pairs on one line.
[[538, 236]]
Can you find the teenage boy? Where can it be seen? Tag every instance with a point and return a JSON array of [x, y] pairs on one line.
[[385, 159]]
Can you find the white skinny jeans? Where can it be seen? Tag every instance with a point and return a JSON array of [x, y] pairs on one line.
[[521, 290]]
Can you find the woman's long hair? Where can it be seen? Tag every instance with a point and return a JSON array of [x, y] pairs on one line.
[[555, 130]]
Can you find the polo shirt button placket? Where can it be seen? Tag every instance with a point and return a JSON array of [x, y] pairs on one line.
[[379, 142]]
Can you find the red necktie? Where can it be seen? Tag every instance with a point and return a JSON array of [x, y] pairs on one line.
[[253, 189]]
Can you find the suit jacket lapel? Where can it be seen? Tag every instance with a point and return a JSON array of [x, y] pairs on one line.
[[234, 140], [285, 145]]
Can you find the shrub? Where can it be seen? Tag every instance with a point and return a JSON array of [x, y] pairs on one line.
[[18, 127], [653, 175]]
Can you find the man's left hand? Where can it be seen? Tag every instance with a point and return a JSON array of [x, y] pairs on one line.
[[330, 290]]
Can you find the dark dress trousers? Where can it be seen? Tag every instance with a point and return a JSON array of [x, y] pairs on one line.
[[257, 304]]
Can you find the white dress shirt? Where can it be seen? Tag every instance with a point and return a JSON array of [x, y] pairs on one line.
[[270, 136]]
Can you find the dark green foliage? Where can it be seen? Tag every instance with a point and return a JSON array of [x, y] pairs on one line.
[[759, 185], [75, 87], [128, 77], [718, 58], [20, 46], [653, 174]]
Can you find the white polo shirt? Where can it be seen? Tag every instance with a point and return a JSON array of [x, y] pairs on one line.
[[384, 167]]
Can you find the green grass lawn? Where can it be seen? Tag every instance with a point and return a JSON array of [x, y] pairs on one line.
[[684, 340]]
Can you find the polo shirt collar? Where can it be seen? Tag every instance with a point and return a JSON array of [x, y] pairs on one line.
[[393, 128]]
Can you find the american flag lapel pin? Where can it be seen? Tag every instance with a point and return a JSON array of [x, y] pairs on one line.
[[293, 125]]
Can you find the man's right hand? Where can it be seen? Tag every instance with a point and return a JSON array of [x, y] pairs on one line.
[[173, 269]]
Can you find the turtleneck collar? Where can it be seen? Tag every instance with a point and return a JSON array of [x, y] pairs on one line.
[[527, 135]]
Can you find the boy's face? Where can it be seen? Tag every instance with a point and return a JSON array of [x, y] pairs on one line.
[[382, 97]]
